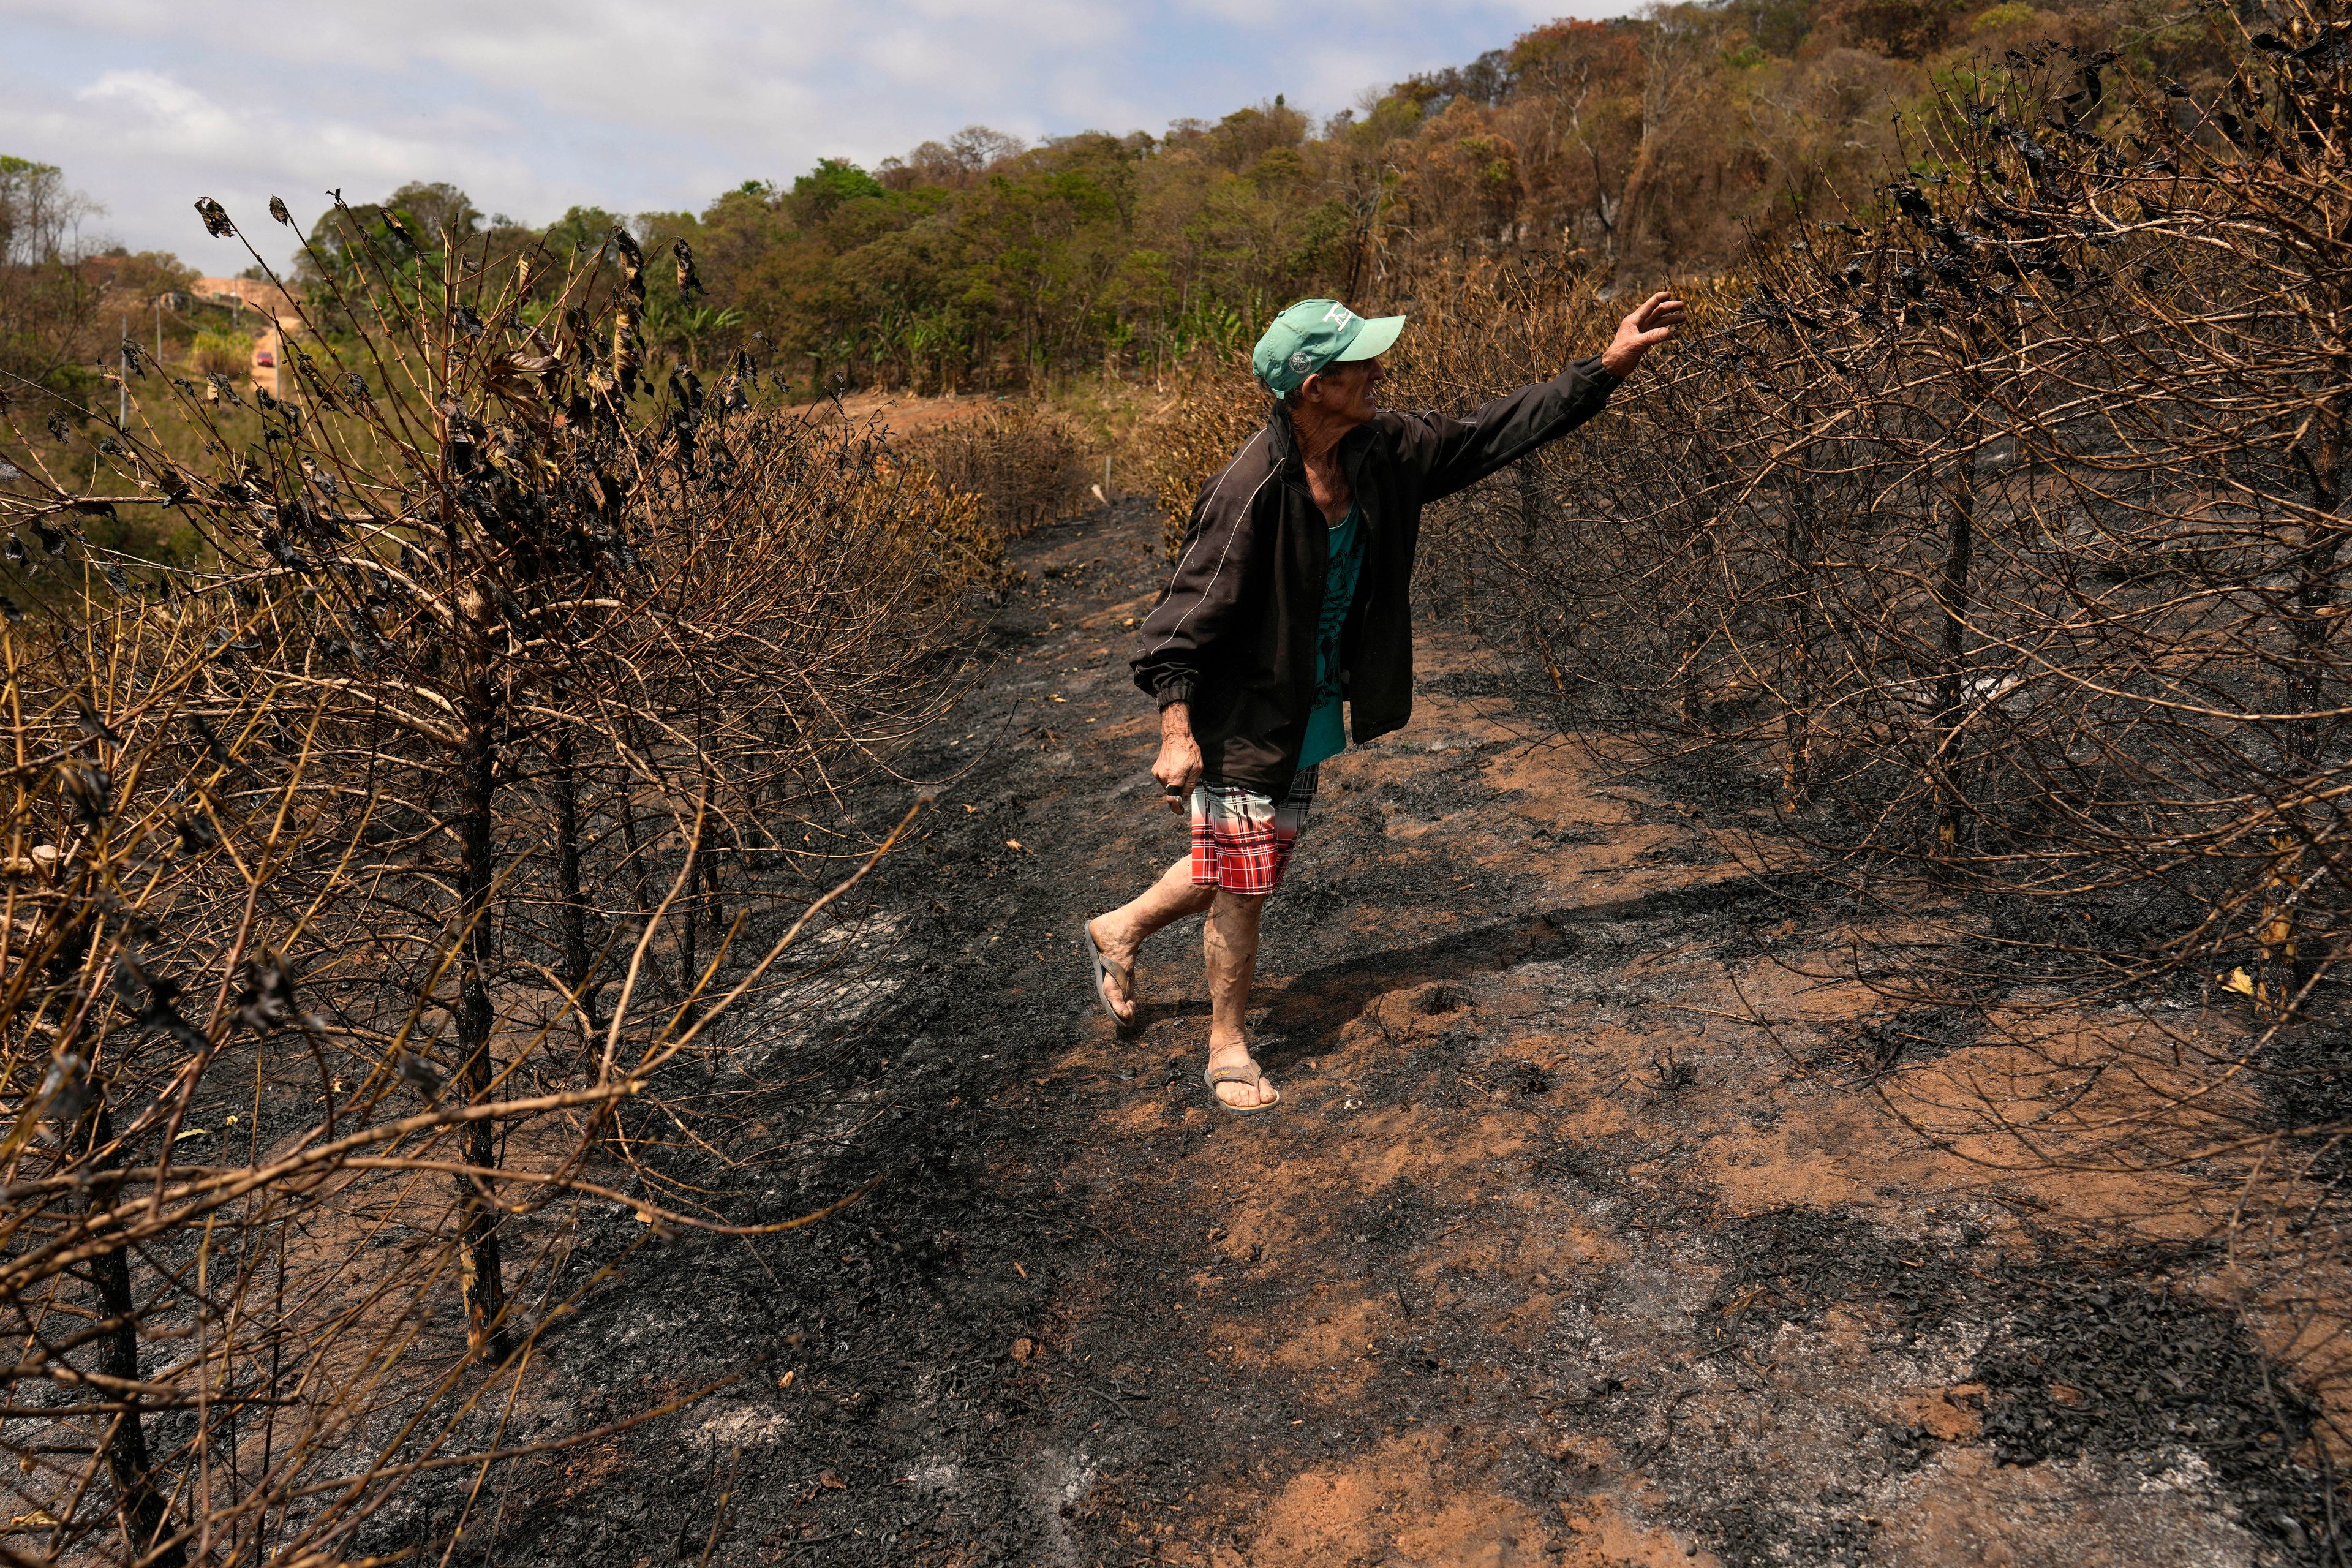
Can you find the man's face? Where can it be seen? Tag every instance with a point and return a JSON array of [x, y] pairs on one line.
[[1344, 392]]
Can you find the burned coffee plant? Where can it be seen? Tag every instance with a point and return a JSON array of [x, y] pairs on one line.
[[433, 864], [1981, 555]]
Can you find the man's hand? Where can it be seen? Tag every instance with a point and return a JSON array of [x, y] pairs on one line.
[[1652, 323], [1179, 767]]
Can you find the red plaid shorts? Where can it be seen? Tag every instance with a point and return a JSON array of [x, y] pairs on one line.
[[1241, 839]]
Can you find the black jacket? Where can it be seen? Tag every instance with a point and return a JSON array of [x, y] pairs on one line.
[[1234, 633]]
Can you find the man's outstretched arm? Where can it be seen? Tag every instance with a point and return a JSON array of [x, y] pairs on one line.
[[1455, 453]]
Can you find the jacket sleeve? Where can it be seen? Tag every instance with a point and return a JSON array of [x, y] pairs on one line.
[[1181, 636], [1452, 454]]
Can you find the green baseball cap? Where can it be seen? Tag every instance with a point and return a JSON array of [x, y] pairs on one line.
[[1316, 333]]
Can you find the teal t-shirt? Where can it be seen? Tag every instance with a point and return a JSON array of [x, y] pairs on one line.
[[1326, 725]]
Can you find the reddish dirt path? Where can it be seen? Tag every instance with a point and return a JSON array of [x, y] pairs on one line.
[[905, 416], [1553, 1256]]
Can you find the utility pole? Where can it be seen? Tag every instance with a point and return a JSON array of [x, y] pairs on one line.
[[122, 364], [159, 332]]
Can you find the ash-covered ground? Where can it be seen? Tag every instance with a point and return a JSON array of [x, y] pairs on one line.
[[1553, 1255]]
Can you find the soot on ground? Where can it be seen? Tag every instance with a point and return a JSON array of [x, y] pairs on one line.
[[1486, 1289]]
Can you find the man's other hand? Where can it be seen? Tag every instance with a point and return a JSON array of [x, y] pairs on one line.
[[1179, 767], [1652, 323]]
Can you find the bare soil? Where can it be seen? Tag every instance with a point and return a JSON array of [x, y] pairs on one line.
[[903, 415], [1553, 1253]]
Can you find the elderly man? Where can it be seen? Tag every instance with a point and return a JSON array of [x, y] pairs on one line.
[[1288, 627]]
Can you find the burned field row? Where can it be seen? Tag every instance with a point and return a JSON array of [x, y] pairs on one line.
[[438, 864], [1592, 1232]]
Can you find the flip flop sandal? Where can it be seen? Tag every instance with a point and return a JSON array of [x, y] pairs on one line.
[[1102, 975], [1252, 1075]]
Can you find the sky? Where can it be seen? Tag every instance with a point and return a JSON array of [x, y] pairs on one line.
[[531, 106]]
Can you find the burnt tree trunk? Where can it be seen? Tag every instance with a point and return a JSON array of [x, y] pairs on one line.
[[1531, 510], [478, 1241], [1530, 507], [1695, 707], [686, 963], [2282, 967], [564, 786], [1797, 697], [1952, 606], [146, 1518]]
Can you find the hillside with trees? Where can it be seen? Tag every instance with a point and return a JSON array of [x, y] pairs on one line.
[[58, 297], [1635, 148], [1631, 150]]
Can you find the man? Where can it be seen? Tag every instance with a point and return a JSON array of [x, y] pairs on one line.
[[1291, 598]]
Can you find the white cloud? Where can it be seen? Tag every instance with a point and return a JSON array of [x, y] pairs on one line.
[[532, 105], [186, 141]]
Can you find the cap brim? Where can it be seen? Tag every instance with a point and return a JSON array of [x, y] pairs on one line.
[[1377, 336]]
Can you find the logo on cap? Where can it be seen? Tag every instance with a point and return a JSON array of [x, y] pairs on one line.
[[1302, 362]]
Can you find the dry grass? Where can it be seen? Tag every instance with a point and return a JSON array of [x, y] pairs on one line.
[[1024, 463], [1216, 407]]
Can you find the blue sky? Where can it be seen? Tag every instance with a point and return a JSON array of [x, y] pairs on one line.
[[534, 105]]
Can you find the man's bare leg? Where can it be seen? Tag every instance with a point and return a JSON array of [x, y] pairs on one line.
[[1120, 934], [1229, 942]]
